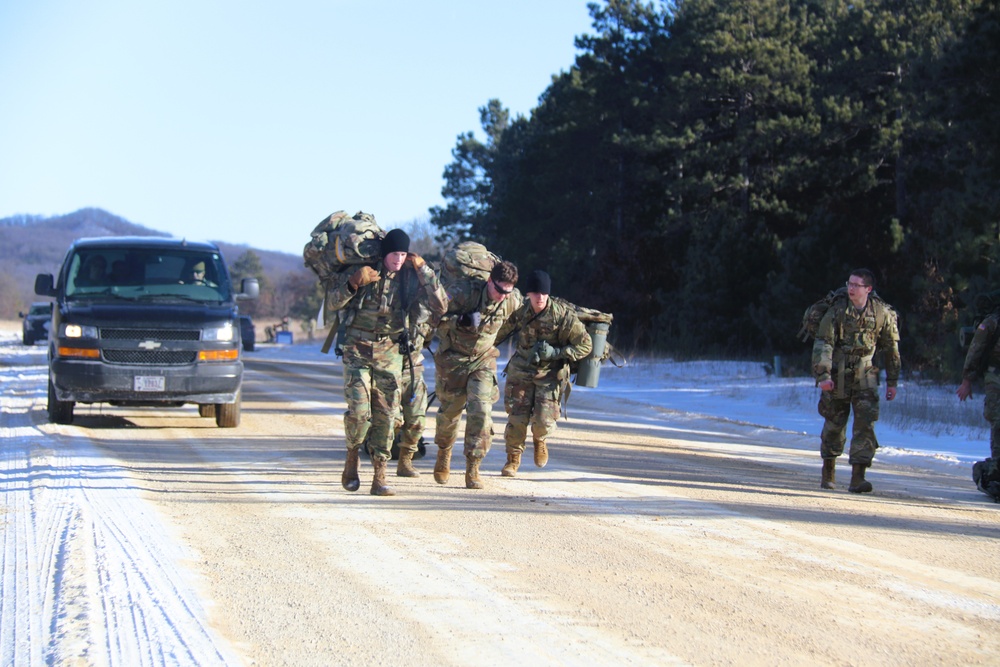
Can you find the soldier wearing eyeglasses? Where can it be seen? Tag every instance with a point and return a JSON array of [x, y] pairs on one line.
[[844, 365], [466, 367]]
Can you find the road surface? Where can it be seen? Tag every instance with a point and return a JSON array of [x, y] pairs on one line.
[[151, 537]]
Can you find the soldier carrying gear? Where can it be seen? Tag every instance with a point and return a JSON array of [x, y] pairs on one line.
[[850, 333], [466, 367], [983, 362], [400, 291], [550, 336]]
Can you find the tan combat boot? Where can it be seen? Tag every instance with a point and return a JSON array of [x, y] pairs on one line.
[[472, 473], [858, 483], [349, 478], [829, 474], [541, 453], [442, 467], [404, 468], [513, 463], [378, 479]]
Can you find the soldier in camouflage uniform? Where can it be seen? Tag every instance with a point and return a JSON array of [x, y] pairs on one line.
[[381, 304], [848, 336], [466, 367], [983, 361], [550, 335], [413, 390]]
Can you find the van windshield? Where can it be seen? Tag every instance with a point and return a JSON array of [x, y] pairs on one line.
[[136, 273]]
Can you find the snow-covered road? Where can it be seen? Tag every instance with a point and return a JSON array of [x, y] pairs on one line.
[[91, 575], [655, 536]]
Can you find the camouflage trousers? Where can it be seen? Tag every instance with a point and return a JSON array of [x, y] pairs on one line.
[[372, 371], [413, 404], [474, 390], [836, 412], [991, 411], [533, 401]]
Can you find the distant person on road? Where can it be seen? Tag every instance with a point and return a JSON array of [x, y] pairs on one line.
[[381, 303], [849, 334], [549, 337], [466, 367], [982, 362]]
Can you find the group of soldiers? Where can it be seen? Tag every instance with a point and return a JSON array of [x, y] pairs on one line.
[[395, 307], [392, 309]]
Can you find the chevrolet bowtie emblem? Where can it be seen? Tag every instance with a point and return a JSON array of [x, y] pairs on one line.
[[150, 344]]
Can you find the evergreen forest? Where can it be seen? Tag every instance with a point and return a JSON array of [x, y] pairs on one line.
[[707, 169]]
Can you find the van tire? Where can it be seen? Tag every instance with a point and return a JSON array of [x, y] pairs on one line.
[[227, 415], [206, 410], [60, 412]]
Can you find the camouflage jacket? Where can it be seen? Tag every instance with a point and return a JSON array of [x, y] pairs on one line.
[[557, 325], [983, 358], [407, 299], [847, 340], [471, 296]]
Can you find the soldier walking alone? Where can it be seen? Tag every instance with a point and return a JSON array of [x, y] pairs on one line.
[[849, 334]]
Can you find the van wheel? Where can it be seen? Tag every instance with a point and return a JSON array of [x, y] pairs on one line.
[[227, 415], [206, 410], [60, 412], [27, 339]]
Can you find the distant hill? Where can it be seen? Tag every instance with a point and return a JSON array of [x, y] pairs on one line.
[[30, 245]]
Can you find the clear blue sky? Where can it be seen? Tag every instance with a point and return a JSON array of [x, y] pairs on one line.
[[248, 122]]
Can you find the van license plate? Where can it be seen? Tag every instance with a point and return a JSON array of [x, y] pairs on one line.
[[150, 383]]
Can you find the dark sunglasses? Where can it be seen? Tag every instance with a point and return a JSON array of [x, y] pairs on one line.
[[500, 289]]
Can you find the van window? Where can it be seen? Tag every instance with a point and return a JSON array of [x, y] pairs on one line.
[[147, 274]]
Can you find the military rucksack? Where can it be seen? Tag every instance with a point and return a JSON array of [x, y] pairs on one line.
[[590, 317], [468, 260], [338, 245], [986, 475], [341, 241], [814, 313]]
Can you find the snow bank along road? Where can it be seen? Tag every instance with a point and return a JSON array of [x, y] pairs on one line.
[[151, 537]]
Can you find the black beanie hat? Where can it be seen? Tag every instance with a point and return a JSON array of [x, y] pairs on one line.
[[539, 282], [395, 241]]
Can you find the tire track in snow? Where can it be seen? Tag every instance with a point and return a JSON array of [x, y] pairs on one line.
[[89, 572]]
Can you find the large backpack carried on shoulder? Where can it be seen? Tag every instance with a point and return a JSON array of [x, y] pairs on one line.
[[340, 241], [986, 475], [467, 260], [337, 246]]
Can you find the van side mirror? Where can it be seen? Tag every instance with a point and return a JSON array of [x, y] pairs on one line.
[[249, 289], [44, 285]]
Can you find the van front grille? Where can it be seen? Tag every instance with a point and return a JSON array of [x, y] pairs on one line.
[[151, 358], [150, 334]]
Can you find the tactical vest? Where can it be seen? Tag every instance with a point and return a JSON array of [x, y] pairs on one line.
[[854, 342]]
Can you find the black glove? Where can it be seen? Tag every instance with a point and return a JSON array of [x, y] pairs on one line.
[[545, 352], [406, 345], [470, 320]]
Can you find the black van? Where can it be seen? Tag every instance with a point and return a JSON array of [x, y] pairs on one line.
[[145, 321]]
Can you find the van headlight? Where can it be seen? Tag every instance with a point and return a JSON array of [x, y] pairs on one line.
[[219, 334], [78, 331]]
